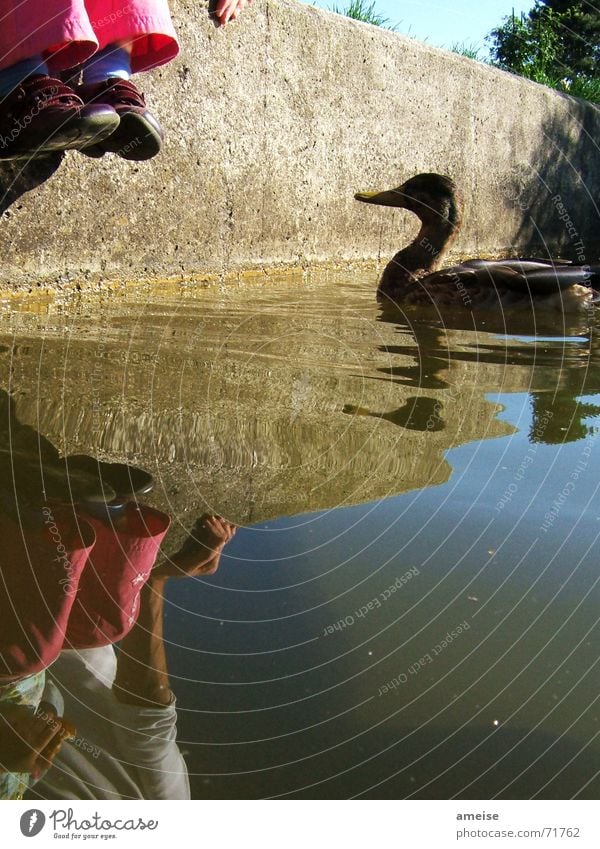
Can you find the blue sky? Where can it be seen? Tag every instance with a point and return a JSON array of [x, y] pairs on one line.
[[443, 22]]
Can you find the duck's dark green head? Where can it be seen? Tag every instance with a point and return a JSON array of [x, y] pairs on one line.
[[433, 197]]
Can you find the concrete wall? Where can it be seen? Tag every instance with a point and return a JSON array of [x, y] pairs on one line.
[[272, 125]]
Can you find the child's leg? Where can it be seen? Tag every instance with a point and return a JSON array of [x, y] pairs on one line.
[[138, 37], [39, 114], [13, 76], [106, 79], [110, 62]]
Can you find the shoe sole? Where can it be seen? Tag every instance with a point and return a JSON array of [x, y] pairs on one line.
[[75, 134], [136, 139]]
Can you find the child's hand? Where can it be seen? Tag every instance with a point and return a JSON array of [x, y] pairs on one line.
[[30, 741], [200, 554], [228, 10]]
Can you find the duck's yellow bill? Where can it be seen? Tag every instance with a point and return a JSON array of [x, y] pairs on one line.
[[393, 197]]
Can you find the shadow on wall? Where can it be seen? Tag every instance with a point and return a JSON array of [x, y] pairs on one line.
[[20, 176], [557, 192]]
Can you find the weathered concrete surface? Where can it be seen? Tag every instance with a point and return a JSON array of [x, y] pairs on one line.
[[272, 125]]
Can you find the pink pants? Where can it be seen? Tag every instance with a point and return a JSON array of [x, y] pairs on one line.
[[73, 583], [67, 32]]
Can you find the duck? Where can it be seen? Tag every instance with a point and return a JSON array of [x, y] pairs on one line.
[[414, 275]]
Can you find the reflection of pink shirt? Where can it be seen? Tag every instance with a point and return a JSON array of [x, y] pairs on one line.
[[73, 582]]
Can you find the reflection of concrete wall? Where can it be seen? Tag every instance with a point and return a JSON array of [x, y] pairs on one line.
[[272, 124], [245, 413]]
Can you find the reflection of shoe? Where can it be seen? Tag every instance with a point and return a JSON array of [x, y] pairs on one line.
[[27, 483], [139, 135], [43, 115], [126, 481]]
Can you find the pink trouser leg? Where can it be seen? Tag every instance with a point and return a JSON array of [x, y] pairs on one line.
[[146, 23], [107, 601], [40, 570], [60, 30], [66, 32]]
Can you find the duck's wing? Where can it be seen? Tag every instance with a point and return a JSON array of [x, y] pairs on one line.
[[551, 280], [523, 266]]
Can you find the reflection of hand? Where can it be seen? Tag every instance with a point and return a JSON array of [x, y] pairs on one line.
[[29, 741], [228, 10], [201, 552]]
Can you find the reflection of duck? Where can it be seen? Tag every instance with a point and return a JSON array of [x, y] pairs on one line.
[[417, 413], [411, 277]]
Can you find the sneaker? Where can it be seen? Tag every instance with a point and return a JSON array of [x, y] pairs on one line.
[[139, 135], [44, 115]]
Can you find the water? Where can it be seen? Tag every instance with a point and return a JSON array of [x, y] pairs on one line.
[[409, 606]]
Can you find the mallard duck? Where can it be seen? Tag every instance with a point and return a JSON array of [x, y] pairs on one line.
[[412, 276]]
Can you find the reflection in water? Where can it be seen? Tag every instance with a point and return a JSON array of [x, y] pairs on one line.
[[78, 576], [409, 607], [418, 413]]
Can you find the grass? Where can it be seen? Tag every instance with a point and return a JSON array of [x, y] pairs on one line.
[[469, 49], [362, 10]]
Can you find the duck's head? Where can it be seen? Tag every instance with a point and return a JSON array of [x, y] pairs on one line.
[[432, 197]]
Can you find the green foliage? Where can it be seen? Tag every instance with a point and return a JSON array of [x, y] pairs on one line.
[[361, 10], [588, 88], [557, 44], [529, 46], [579, 33]]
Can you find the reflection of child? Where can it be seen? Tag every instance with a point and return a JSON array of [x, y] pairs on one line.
[[84, 593], [68, 581], [71, 581], [106, 113]]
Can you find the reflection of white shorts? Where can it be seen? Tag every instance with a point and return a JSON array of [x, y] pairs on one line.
[[121, 751]]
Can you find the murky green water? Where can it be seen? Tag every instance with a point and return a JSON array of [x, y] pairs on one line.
[[410, 605]]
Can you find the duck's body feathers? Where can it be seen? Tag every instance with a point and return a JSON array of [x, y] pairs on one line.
[[411, 277]]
